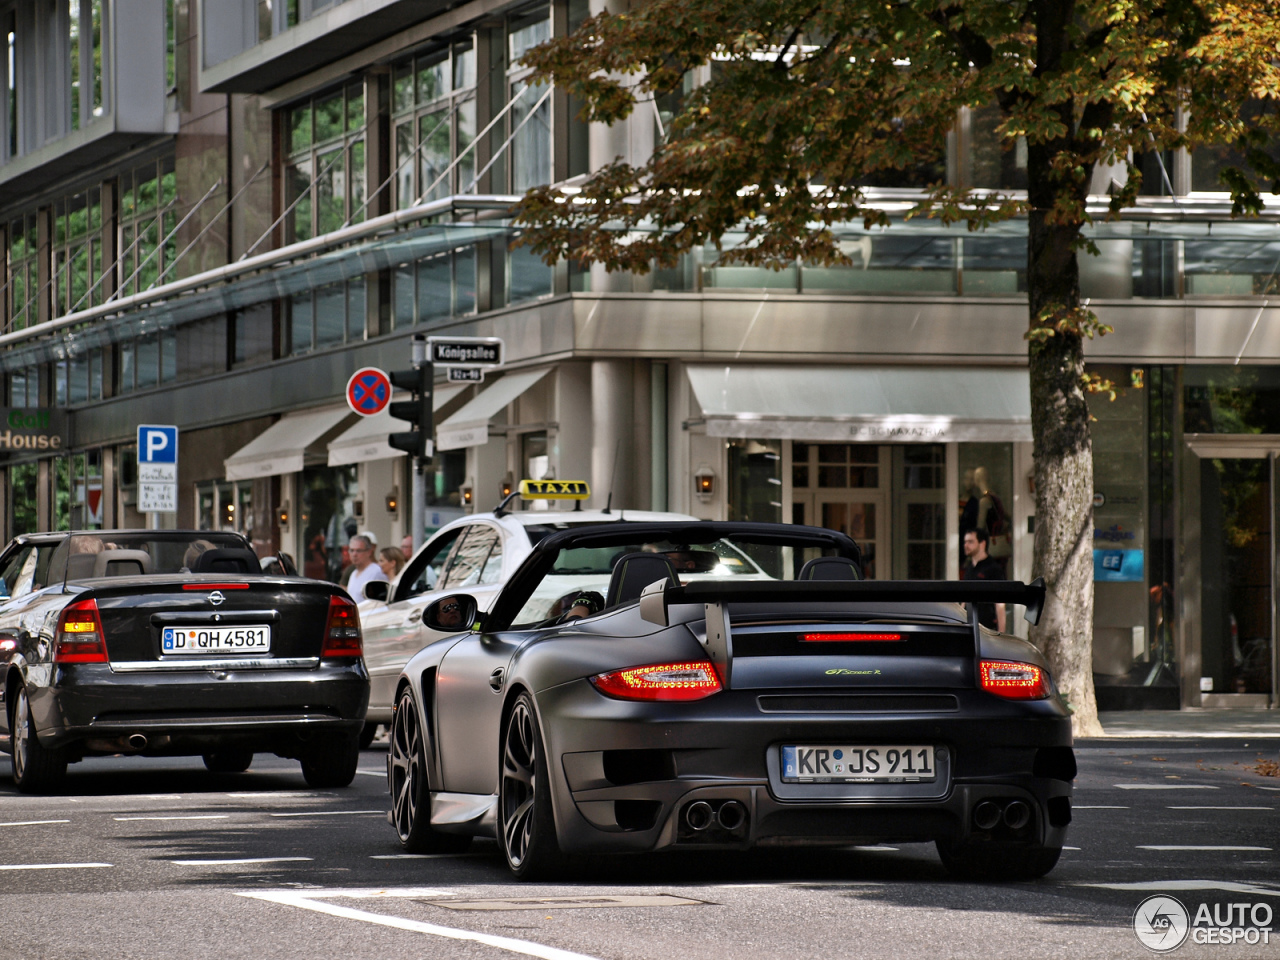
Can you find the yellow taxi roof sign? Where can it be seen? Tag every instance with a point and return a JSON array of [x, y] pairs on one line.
[[555, 489]]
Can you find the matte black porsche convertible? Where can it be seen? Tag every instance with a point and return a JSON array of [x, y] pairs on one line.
[[711, 686], [166, 643]]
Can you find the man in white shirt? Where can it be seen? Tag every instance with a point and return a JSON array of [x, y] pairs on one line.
[[361, 548]]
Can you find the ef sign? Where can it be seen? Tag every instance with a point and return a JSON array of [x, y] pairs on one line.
[[157, 469]]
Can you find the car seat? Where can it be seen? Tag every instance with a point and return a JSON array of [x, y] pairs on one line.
[[635, 571]]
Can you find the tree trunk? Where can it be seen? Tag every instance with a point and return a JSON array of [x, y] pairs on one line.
[[1063, 455]]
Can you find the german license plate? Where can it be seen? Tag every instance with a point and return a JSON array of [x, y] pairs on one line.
[[831, 763], [240, 639]]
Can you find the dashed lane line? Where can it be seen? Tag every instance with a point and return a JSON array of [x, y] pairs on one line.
[[425, 856], [1226, 886], [31, 823], [1096, 806], [328, 813], [54, 866], [308, 901], [1221, 808], [1164, 786], [373, 773], [1193, 846], [241, 860], [203, 816]]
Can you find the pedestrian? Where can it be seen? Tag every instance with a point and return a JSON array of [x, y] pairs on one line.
[[984, 567], [391, 560], [406, 545], [361, 547]]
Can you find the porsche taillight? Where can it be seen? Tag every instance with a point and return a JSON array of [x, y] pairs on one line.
[[661, 681], [1014, 681], [79, 638], [342, 631]]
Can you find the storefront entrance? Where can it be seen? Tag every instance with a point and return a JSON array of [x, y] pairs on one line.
[[891, 498], [1237, 562]]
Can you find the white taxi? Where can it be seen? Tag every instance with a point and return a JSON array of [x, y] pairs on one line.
[[478, 553]]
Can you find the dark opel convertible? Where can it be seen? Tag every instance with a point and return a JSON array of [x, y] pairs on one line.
[[173, 643], [714, 686]]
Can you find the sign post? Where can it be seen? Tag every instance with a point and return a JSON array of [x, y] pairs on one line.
[[425, 377], [157, 470]]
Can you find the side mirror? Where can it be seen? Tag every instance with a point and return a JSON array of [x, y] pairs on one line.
[[451, 614], [377, 590]]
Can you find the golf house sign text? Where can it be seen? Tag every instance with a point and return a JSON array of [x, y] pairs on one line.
[[32, 429]]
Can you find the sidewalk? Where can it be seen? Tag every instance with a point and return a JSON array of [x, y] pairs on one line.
[[1191, 722]]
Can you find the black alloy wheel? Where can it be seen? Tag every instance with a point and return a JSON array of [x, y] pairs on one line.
[[409, 785], [228, 760], [527, 829], [36, 768]]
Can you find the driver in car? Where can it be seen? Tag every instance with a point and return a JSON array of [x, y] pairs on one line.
[[450, 613]]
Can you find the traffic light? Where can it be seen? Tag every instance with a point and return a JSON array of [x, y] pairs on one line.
[[417, 411]]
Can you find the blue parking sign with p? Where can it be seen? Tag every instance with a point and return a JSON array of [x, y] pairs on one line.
[[157, 444]]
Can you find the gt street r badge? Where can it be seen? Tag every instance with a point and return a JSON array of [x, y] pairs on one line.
[[216, 597]]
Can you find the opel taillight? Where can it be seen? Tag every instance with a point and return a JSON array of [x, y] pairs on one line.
[[661, 681], [342, 632], [1014, 681], [79, 638]]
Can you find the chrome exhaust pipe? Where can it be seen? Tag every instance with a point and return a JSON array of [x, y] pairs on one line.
[[1017, 815], [986, 815], [698, 815], [732, 815], [138, 741]]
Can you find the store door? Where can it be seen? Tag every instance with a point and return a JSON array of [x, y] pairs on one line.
[[1238, 570]]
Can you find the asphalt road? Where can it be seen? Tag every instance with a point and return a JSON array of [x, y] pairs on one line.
[[159, 858]]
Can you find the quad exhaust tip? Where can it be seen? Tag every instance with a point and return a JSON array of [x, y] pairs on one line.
[[1016, 815], [986, 815], [698, 815], [138, 741], [732, 815]]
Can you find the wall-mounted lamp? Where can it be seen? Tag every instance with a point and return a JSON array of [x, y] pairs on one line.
[[508, 484], [357, 509], [393, 500], [704, 483], [282, 514], [466, 496]]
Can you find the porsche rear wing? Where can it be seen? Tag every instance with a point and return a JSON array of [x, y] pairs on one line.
[[657, 597], [716, 595]]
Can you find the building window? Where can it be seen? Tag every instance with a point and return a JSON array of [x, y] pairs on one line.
[[148, 362], [530, 118], [24, 272], [327, 316], [148, 216], [77, 252], [85, 61], [325, 173], [435, 288], [434, 108], [79, 379], [24, 387]]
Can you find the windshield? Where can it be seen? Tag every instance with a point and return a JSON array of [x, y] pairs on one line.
[[580, 580], [87, 556]]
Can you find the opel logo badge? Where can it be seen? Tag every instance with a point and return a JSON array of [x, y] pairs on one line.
[[216, 597]]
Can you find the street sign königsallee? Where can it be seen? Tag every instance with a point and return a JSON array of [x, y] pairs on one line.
[[465, 351]]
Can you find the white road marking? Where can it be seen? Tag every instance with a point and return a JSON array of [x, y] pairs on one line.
[[423, 856], [1099, 806], [583, 902], [1226, 886], [373, 773], [1222, 808], [53, 866], [1175, 846], [202, 816], [292, 898], [1164, 786], [217, 863], [31, 823], [1071, 848], [873, 847], [267, 794], [327, 813]]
